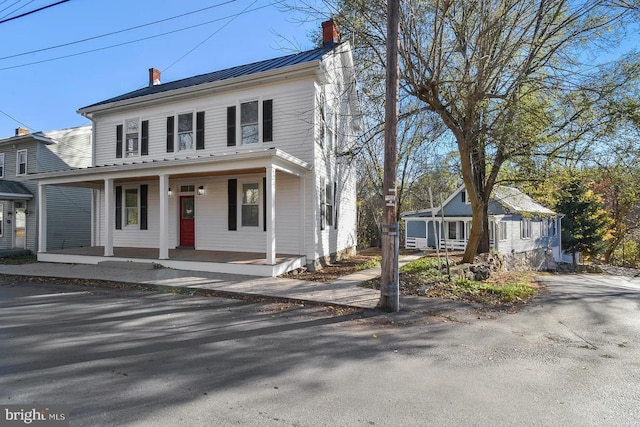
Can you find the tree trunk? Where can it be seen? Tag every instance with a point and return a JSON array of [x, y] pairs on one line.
[[476, 232]]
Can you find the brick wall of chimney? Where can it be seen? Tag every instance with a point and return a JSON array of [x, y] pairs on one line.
[[22, 131], [330, 34], [154, 77]]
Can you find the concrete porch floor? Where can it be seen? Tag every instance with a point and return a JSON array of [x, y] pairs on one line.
[[250, 263]]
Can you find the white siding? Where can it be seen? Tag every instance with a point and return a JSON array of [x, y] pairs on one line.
[[292, 116], [211, 217]]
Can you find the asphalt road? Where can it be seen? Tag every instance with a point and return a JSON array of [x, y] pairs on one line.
[[125, 358]]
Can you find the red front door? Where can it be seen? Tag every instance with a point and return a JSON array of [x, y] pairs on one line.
[[187, 221]]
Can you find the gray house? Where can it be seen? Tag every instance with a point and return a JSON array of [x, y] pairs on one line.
[[25, 154], [517, 225]]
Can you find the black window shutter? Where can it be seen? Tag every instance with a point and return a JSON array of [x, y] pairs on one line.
[[323, 206], [231, 126], [118, 207], [144, 139], [335, 206], [200, 130], [267, 120], [144, 190], [232, 192], [170, 131], [264, 203], [119, 141]]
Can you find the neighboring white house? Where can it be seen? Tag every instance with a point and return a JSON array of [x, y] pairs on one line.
[[25, 154], [517, 225], [239, 170]]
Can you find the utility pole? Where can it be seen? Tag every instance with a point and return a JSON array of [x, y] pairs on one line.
[[389, 292]]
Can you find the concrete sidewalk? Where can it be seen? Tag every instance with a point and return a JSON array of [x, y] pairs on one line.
[[344, 291]]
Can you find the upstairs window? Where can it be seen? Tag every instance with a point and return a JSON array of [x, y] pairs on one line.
[[249, 122], [330, 128], [185, 132], [464, 198], [21, 162], [252, 126], [1, 165], [329, 203], [132, 127]]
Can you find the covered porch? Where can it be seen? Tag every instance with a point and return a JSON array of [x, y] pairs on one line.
[[209, 214], [247, 263]]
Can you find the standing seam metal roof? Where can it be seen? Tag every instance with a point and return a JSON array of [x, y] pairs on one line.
[[228, 73]]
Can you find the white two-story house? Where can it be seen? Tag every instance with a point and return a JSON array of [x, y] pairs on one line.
[[241, 170], [21, 157]]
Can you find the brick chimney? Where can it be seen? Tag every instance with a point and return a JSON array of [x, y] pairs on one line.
[[154, 77], [22, 131], [330, 34]]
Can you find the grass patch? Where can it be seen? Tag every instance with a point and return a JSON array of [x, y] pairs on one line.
[[371, 263], [507, 292], [420, 265], [20, 259]]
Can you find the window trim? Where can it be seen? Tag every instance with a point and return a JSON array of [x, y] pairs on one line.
[[264, 125], [525, 228], [502, 231], [1, 169], [177, 132], [132, 153], [26, 156], [328, 204], [258, 122], [240, 203], [544, 227], [125, 208]]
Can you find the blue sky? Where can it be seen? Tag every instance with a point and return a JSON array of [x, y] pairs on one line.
[[45, 96]]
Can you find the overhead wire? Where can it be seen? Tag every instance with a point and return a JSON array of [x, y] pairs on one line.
[[211, 35], [22, 15], [15, 10], [124, 30], [235, 15]]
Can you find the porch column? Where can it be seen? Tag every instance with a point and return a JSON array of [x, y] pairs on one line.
[[109, 217], [164, 217], [42, 218], [271, 215]]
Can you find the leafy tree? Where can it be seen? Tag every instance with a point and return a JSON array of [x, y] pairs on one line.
[[503, 76], [585, 223]]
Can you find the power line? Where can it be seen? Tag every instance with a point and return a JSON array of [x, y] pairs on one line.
[[137, 40], [30, 12], [21, 7], [211, 35], [115, 32]]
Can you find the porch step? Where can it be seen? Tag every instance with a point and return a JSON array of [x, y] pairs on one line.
[[128, 265]]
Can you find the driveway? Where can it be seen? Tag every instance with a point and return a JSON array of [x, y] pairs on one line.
[[124, 358]]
